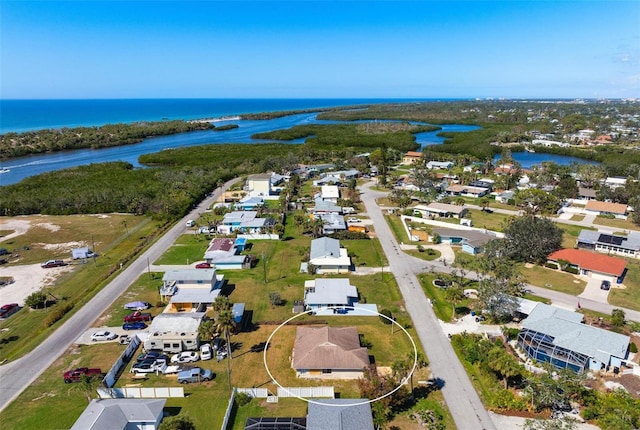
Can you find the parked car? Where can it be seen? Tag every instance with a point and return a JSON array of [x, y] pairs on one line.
[[352, 220], [203, 265], [77, 374], [221, 354], [152, 354], [206, 353], [103, 335], [137, 316], [218, 343], [195, 375], [124, 339], [148, 366], [138, 325], [185, 357], [9, 309], [53, 263], [4, 251], [191, 223], [605, 285]]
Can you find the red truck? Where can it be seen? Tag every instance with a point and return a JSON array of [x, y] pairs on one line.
[[137, 317], [77, 374]]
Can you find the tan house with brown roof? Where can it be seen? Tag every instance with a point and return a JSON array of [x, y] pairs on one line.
[[618, 210], [411, 156], [329, 353]]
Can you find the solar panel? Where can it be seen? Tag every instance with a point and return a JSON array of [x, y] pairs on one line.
[[613, 240]]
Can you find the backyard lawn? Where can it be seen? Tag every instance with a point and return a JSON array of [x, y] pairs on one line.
[[552, 279], [628, 297]]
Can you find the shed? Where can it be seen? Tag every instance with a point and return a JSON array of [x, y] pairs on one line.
[[238, 312]]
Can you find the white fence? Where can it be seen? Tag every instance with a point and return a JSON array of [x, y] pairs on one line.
[[110, 378], [257, 236], [306, 392], [227, 415], [140, 392], [259, 393]]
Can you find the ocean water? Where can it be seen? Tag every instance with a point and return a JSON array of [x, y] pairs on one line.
[[27, 115]]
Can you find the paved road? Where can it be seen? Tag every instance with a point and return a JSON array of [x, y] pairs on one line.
[[16, 376], [462, 400]]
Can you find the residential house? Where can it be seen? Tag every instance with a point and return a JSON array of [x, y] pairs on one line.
[[245, 222], [586, 193], [625, 246], [439, 165], [505, 169], [191, 290], [259, 185], [466, 190], [411, 156], [337, 414], [559, 337], [174, 332], [330, 193], [483, 183], [249, 203], [592, 264], [329, 292], [471, 240], [327, 256], [329, 353], [223, 254], [322, 414], [618, 210], [325, 207], [332, 223], [121, 414], [443, 210], [505, 196], [614, 182]]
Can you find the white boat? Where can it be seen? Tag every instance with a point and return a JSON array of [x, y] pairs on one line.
[[4, 170]]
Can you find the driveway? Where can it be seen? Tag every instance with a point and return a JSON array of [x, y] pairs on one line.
[[593, 292]]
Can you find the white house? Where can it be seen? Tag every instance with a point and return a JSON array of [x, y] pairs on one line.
[[174, 332], [441, 165], [330, 193], [327, 256], [329, 292], [121, 414]]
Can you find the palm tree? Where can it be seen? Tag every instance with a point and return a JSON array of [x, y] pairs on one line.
[[226, 325]]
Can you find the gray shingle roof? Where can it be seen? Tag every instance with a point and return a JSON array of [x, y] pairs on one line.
[[325, 247], [339, 414], [115, 414]]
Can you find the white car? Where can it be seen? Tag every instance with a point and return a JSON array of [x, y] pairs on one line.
[[185, 357], [103, 335], [206, 353], [353, 220]]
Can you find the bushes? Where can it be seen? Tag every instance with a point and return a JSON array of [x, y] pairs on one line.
[[572, 270], [242, 399], [387, 313], [349, 235], [551, 265], [36, 300], [633, 348], [58, 313]]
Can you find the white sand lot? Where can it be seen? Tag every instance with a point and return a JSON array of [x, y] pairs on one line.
[[28, 278]]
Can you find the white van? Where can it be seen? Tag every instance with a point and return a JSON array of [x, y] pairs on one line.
[[191, 223]]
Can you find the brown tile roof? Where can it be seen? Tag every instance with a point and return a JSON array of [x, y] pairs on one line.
[[413, 154], [591, 261], [614, 208], [328, 348]]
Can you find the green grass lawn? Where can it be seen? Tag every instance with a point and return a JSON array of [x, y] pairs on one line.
[[628, 297], [395, 223], [425, 255], [617, 223], [187, 249], [552, 279], [443, 309], [365, 252], [490, 221], [26, 329]]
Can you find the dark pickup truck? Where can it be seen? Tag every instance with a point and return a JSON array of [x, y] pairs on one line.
[[137, 317], [77, 374]]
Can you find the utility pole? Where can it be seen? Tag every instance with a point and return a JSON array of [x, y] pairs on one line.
[[93, 249]]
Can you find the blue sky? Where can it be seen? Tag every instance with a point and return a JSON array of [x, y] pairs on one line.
[[307, 49]]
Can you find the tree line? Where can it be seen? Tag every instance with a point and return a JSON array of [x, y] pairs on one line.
[[51, 140]]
